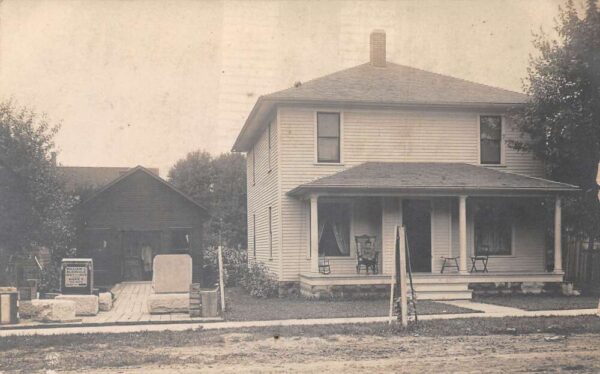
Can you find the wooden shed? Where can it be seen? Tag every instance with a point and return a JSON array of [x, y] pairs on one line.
[[132, 219]]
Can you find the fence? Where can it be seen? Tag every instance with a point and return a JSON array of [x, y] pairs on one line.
[[582, 264]]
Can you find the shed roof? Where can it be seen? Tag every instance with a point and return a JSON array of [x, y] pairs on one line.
[[141, 169], [92, 176], [429, 177]]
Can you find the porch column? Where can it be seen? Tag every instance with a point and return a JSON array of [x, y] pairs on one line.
[[557, 236], [462, 233], [314, 234]]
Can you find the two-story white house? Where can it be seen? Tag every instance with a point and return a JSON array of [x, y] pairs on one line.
[[363, 150]]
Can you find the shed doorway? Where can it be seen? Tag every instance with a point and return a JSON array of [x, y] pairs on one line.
[[139, 249]]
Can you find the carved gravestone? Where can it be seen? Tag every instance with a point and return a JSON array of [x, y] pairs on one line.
[[171, 280], [77, 276], [172, 273]]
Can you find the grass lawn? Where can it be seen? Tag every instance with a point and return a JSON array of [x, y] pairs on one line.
[[243, 307], [541, 302]]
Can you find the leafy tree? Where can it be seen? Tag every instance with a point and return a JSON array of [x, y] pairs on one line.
[[229, 198], [220, 185], [561, 120], [34, 209]]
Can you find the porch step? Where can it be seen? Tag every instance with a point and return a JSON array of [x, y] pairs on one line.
[[445, 295], [439, 287], [442, 291]]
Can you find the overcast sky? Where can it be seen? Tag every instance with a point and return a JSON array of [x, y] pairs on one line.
[[145, 82]]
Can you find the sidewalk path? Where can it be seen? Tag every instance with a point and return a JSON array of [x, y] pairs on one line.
[[486, 308], [513, 312]]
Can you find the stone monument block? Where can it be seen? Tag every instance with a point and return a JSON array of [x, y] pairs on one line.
[[172, 273], [43, 310], [105, 301], [85, 305], [159, 303]]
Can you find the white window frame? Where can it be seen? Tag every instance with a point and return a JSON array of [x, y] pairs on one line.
[[351, 241], [316, 137], [502, 139]]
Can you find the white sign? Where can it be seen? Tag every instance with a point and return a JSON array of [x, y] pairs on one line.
[[76, 276]]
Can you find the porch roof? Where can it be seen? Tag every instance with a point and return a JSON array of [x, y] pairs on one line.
[[429, 177]]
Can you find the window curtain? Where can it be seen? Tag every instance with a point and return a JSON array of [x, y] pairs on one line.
[[321, 229], [493, 229], [342, 232]]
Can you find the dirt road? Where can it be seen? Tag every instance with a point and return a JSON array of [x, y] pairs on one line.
[[471, 354]]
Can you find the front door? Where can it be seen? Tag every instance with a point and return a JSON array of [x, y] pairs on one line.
[[416, 217]]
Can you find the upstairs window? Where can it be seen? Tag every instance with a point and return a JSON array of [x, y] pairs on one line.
[[490, 138], [328, 137]]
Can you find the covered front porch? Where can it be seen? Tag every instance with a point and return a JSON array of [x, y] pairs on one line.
[[444, 226], [428, 286]]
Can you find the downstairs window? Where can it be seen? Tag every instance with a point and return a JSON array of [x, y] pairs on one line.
[[334, 229], [493, 229]]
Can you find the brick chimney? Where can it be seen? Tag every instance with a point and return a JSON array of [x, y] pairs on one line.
[[377, 41]]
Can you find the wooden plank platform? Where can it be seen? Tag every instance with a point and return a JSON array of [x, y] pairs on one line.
[[131, 305]]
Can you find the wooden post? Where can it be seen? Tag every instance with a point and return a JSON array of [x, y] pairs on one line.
[[557, 236], [462, 233], [314, 234], [393, 277], [221, 284], [403, 291]]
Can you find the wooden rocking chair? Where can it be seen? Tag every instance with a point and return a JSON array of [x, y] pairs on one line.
[[366, 254]]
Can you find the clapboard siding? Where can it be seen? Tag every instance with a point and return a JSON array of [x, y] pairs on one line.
[[519, 162], [263, 192], [409, 136], [440, 232]]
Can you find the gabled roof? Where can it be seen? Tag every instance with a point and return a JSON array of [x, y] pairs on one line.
[[368, 85], [429, 177], [142, 169], [92, 176]]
